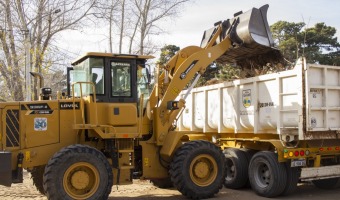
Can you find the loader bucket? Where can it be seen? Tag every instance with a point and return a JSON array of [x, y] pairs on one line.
[[250, 35]]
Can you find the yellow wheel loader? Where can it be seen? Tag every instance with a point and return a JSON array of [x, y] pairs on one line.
[[110, 126]]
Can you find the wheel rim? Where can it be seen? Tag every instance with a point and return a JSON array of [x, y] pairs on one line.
[[203, 170], [262, 175], [230, 170], [81, 180]]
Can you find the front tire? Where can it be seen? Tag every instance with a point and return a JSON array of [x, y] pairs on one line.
[[37, 175], [78, 172], [197, 169], [266, 175]]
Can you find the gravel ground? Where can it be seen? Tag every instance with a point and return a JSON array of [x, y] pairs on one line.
[[142, 190]]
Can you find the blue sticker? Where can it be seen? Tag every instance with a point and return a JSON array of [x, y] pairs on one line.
[[40, 124]]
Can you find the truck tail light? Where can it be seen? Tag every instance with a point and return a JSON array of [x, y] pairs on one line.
[[302, 153]]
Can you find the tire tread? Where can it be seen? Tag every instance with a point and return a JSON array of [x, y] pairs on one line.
[[177, 173]]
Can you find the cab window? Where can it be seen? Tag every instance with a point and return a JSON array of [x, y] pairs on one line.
[[97, 75], [143, 81], [121, 79]]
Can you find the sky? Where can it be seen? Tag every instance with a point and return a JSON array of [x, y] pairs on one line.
[[187, 29]]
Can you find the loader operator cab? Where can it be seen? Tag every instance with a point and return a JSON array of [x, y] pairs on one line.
[[117, 78]]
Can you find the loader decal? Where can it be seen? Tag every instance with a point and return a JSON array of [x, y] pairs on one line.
[[40, 106], [246, 98], [187, 70], [40, 124], [146, 162], [69, 105], [41, 112]]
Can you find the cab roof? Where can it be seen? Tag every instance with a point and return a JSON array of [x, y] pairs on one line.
[[110, 55]]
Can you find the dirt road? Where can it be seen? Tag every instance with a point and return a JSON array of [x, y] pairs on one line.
[[143, 190]]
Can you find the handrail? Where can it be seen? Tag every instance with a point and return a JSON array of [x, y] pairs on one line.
[[81, 103], [141, 108]]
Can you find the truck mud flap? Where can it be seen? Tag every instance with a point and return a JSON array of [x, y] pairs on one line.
[[251, 37], [5, 168]]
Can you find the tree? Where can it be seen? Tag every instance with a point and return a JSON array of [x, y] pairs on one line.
[[288, 37], [135, 21], [150, 12], [35, 24], [209, 76], [9, 67], [107, 13], [318, 44], [167, 52]]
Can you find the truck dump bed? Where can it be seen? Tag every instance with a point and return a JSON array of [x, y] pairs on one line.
[[301, 103]]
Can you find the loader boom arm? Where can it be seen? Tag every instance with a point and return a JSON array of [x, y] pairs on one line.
[[244, 36], [179, 71]]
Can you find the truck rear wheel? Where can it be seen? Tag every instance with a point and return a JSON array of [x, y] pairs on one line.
[[236, 169], [330, 183], [292, 179], [197, 169], [78, 172], [37, 175], [266, 175]]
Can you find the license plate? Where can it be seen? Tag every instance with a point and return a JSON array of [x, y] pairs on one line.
[[298, 163]]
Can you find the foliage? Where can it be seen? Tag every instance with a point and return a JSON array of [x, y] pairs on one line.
[[167, 52], [210, 74], [318, 44], [28, 30], [217, 73], [287, 36], [228, 72]]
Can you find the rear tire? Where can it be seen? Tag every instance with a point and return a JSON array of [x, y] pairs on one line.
[[236, 169], [78, 172], [37, 175], [266, 175], [197, 169], [330, 183], [292, 179], [249, 153]]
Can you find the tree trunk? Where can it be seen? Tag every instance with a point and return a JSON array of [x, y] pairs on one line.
[[122, 27], [12, 58], [110, 31]]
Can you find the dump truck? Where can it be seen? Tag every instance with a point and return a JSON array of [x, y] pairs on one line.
[[276, 129], [110, 127]]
